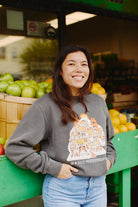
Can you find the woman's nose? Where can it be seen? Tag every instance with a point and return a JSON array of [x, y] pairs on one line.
[[78, 68]]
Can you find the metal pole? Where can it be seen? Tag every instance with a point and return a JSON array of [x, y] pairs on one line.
[[61, 29]]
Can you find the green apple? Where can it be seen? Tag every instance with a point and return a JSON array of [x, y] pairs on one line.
[[25, 82], [40, 92], [3, 86], [19, 83], [6, 77], [49, 88], [32, 82], [28, 92], [34, 85], [5, 144], [2, 140], [13, 89]]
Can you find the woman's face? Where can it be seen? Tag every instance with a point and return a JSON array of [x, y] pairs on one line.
[[75, 71]]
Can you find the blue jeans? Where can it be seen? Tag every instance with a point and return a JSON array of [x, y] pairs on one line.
[[74, 192]]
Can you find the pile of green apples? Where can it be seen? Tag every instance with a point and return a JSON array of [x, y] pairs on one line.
[[23, 88]]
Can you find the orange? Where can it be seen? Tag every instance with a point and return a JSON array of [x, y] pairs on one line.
[[113, 112], [116, 130], [123, 118], [130, 126], [122, 128], [49, 80], [101, 91], [94, 90], [98, 89], [115, 121]]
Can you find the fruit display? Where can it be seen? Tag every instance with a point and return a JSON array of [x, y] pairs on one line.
[[99, 90], [32, 89], [3, 142], [24, 88], [119, 121]]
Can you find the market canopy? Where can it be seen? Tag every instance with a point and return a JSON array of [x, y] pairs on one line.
[[121, 8]]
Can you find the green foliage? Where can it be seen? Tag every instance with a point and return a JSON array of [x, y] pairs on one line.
[[39, 57]]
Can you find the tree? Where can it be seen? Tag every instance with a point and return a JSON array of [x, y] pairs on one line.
[[39, 57]]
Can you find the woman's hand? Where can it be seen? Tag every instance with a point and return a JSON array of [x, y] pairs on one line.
[[65, 171], [108, 165]]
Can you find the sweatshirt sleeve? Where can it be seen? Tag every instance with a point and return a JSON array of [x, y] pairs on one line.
[[111, 152], [31, 130]]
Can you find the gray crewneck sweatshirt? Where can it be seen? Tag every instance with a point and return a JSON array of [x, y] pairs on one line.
[[85, 144]]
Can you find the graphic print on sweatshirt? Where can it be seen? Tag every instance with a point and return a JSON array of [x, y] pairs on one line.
[[87, 139]]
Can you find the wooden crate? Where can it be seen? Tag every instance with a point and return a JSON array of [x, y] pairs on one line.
[[119, 97], [12, 109]]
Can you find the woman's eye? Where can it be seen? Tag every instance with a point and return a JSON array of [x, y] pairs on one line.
[[71, 63], [84, 64]]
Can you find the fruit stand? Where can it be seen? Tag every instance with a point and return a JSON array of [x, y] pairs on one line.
[[18, 184]]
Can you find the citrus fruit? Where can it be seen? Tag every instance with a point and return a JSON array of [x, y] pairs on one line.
[[113, 112], [7, 77], [122, 118], [101, 91], [40, 92], [115, 121], [49, 80], [96, 85], [98, 89], [130, 126], [28, 92], [94, 89], [122, 128], [13, 89], [116, 130], [3, 86]]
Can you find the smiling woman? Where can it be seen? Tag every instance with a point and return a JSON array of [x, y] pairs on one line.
[[75, 71], [72, 76], [75, 133]]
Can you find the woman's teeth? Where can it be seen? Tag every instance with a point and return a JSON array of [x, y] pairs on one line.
[[78, 77]]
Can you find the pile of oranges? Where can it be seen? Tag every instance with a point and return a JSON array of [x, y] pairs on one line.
[[119, 121]]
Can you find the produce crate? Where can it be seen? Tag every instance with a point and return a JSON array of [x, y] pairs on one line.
[[12, 109], [119, 97], [124, 103]]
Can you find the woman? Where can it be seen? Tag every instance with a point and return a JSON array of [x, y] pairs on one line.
[[74, 129]]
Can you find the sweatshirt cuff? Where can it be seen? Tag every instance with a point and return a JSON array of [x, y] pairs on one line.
[[111, 159], [54, 167]]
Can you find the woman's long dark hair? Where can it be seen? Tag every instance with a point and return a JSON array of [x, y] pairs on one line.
[[61, 93]]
